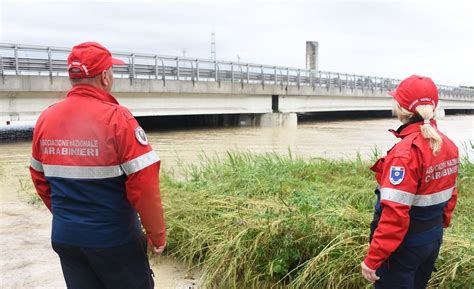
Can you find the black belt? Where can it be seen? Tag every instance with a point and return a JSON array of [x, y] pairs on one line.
[[422, 226]]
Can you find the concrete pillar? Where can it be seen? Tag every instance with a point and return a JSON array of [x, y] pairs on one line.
[[312, 55], [283, 120]]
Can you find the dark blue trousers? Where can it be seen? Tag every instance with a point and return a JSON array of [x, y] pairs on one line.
[[123, 267], [408, 267]]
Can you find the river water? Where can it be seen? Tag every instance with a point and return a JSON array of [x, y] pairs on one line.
[[322, 138], [333, 139], [26, 258]]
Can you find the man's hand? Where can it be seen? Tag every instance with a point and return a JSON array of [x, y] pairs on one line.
[[368, 273], [158, 250]]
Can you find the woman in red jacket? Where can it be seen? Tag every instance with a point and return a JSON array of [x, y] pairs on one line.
[[416, 192]]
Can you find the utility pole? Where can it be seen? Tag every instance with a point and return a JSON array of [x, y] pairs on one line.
[[213, 46]]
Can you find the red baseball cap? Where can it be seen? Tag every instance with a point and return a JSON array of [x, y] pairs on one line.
[[416, 90], [91, 59]]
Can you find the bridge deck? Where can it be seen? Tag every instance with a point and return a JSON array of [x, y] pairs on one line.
[[33, 77], [52, 61]]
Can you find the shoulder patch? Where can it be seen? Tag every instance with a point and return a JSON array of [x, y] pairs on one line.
[[396, 175], [140, 135]]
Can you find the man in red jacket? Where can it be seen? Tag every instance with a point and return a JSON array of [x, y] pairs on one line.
[[94, 169]]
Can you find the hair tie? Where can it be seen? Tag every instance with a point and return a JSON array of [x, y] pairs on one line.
[[426, 121]]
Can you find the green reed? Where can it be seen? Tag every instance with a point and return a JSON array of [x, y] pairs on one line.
[[272, 221]]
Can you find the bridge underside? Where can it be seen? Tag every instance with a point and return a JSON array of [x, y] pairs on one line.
[[22, 98]]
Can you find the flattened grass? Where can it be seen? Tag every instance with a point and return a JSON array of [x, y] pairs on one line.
[[262, 221]]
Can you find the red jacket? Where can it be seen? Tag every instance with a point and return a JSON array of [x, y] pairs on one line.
[[415, 186], [94, 169]]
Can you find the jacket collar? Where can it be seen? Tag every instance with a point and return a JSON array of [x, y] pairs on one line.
[[412, 126], [85, 90]]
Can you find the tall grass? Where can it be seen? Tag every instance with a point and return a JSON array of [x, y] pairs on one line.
[[26, 188], [271, 221]]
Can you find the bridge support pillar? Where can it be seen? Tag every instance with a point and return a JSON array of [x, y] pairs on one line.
[[284, 120]]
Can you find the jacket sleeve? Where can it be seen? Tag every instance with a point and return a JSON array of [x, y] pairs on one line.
[[141, 165], [448, 210], [398, 187], [40, 183]]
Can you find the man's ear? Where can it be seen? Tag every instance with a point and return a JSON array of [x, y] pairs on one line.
[[104, 79]]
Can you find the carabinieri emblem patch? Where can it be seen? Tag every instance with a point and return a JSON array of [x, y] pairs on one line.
[[140, 135], [396, 175]]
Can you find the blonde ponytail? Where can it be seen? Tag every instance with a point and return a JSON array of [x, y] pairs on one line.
[[429, 132]]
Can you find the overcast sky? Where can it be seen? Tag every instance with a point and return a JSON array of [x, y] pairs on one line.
[[380, 38]]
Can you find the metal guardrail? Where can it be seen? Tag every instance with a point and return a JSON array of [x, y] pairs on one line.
[[18, 59]]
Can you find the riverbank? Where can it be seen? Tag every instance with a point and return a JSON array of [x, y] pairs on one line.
[[28, 261], [261, 221], [26, 257], [245, 220]]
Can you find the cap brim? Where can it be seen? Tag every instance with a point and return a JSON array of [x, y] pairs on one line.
[[393, 93], [116, 61]]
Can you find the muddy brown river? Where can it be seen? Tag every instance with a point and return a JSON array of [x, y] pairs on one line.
[[26, 257]]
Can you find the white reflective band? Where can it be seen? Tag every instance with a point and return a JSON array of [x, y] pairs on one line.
[[433, 199], [82, 172], [410, 199], [36, 165], [140, 162], [397, 196]]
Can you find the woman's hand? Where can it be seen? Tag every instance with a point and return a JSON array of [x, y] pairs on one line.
[[368, 273]]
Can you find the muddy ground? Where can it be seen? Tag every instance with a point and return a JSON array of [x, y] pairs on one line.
[[26, 257]]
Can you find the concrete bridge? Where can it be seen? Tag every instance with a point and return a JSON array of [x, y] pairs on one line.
[[34, 77]]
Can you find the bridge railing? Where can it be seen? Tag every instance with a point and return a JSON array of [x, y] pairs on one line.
[[52, 61]]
